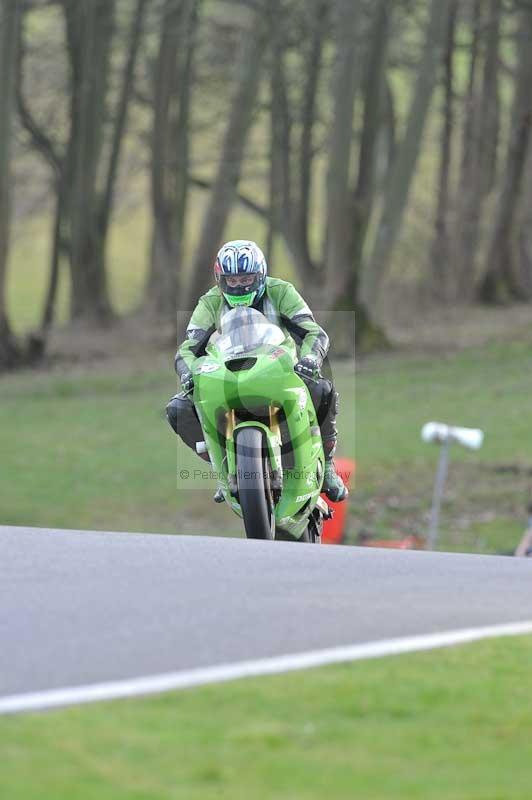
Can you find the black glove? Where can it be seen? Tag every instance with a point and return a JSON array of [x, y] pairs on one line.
[[187, 382], [308, 368]]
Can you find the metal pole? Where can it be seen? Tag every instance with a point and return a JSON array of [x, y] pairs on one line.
[[439, 484]]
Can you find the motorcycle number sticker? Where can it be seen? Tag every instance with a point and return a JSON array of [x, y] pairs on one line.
[[209, 367]]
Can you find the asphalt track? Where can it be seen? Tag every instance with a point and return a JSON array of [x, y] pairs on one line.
[[82, 608]]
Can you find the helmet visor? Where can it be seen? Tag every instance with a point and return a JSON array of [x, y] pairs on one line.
[[242, 284]]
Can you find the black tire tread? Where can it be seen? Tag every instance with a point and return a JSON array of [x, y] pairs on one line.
[[252, 492]]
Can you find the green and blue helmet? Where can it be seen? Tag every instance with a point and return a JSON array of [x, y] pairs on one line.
[[240, 271]]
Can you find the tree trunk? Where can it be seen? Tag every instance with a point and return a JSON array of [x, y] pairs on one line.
[[524, 233], [89, 33], [439, 265], [281, 123], [55, 258], [292, 167], [275, 176], [490, 101], [170, 151], [398, 188], [247, 80], [360, 201], [338, 264], [500, 282], [91, 179], [9, 35], [305, 163], [51, 152], [481, 131], [120, 122], [364, 194]]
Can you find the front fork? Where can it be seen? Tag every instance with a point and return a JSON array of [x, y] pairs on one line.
[[272, 433]]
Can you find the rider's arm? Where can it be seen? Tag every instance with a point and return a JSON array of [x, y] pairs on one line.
[[300, 322], [199, 330]]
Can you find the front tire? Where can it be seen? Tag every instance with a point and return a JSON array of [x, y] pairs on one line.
[[254, 493]]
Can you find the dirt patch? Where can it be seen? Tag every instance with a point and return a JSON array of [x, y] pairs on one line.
[[126, 344], [414, 324]]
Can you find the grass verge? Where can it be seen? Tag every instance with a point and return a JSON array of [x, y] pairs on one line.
[[450, 724], [91, 448], [487, 491]]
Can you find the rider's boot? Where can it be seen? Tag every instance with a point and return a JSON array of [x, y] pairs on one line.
[[333, 485], [219, 495]]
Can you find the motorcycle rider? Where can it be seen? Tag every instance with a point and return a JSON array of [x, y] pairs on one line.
[[240, 271]]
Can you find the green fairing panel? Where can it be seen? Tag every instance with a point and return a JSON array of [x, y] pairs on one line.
[[271, 382]]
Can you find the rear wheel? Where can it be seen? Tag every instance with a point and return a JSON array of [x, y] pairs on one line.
[[310, 536], [253, 480], [314, 528]]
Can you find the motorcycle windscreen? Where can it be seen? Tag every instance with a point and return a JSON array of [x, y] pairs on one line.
[[243, 330]]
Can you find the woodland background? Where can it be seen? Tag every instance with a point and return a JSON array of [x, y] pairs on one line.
[[372, 148]]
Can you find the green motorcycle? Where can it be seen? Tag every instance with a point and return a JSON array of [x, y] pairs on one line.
[[260, 429]]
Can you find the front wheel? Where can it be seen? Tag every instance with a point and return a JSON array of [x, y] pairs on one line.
[[254, 492]]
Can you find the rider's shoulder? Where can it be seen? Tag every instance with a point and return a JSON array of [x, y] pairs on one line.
[[277, 285], [212, 297], [214, 292]]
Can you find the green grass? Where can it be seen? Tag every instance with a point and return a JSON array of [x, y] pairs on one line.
[[92, 449], [488, 490], [447, 725], [87, 451]]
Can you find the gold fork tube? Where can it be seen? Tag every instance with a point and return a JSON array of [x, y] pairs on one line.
[[230, 417], [274, 421]]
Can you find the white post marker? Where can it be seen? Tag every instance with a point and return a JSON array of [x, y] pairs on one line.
[[444, 435]]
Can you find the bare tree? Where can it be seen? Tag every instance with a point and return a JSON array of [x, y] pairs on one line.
[[91, 179], [348, 225], [363, 197], [9, 35], [480, 140], [223, 194], [439, 262], [293, 124], [173, 82], [84, 190], [500, 281], [338, 256], [316, 35], [90, 29], [52, 152], [523, 254], [398, 188], [490, 99]]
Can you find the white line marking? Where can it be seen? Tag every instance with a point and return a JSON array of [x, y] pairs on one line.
[[156, 684]]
